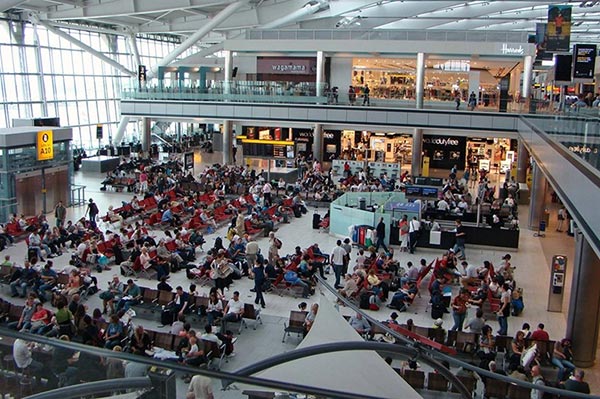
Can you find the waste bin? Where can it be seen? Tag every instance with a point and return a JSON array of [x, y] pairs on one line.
[[362, 203]]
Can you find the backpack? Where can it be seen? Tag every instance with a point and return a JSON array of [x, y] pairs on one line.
[[93, 209]]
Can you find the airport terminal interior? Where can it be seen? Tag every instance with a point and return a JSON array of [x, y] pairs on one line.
[[292, 199]]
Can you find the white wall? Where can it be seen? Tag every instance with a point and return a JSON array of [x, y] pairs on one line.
[[246, 64], [341, 73]]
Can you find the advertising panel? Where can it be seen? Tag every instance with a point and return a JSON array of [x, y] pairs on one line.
[[445, 151], [45, 145], [558, 32], [584, 61]]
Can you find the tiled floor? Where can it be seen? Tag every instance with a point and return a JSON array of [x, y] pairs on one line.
[[532, 262]]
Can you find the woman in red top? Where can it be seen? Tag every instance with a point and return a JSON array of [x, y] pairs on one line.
[[459, 309]]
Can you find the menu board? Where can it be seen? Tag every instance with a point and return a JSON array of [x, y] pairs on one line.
[[585, 61], [279, 151]]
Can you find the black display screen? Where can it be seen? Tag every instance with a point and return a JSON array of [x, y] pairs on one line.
[[585, 61], [562, 67]]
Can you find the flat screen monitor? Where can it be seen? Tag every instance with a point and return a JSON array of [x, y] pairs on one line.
[[430, 192], [435, 181], [413, 191], [420, 180]]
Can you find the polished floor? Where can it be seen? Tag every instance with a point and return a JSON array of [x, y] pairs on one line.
[[532, 262]]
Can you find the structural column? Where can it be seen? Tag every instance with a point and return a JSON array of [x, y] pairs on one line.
[[522, 162], [584, 305], [318, 142], [420, 83], [417, 150], [320, 81], [537, 198], [146, 134], [527, 75], [228, 71], [227, 142]]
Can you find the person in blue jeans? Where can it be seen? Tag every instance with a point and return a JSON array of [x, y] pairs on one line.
[[459, 309], [461, 236], [504, 311], [561, 358]]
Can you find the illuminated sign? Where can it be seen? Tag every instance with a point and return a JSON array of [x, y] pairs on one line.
[[507, 50], [584, 61], [45, 145]]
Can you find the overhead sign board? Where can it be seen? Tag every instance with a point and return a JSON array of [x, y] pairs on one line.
[[45, 145], [558, 31]]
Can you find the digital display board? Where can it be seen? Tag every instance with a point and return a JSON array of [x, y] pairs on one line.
[[585, 61], [430, 192], [268, 149], [562, 67], [413, 191]]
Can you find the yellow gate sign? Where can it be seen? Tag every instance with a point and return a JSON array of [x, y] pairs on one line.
[[45, 145]]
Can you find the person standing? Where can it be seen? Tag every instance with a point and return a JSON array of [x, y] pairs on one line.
[[200, 388], [258, 273], [461, 236], [504, 310], [92, 211], [459, 309], [537, 379], [413, 233], [351, 95], [380, 236], [234, 149], [266, 190], [337, 260], [60, 213], [348, 248], [366, 95]]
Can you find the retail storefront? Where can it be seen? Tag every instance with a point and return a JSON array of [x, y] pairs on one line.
[[377, 146]]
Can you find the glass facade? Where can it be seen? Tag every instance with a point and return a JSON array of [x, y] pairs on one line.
[[42, 74]]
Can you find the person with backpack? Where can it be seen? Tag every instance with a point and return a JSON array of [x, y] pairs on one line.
[[537, 379], [92, 211]]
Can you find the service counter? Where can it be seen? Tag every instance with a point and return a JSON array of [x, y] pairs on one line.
[[486, 236]]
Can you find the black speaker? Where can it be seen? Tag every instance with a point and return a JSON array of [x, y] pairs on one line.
[[234, 72]]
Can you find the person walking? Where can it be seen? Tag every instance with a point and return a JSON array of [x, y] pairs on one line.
[[380, 236], [366, 95], [414, 229], [461, 236], [258, 273], [92, 211], [60, 213]]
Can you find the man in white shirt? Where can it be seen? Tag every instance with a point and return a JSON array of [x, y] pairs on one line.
[[24, 360], [337, 260], [442, 205], [200, 388], [471, 276], [266, 190], [235, 309], [414, 227]]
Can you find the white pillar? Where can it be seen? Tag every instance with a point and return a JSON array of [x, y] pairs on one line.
[[474, 77], [318, 142], [146, 138], [134, 49], [420, 83], [228, 71], [417, 150], [227, 142], [199, 34], [320, 73], [527, 75], [118, 137]]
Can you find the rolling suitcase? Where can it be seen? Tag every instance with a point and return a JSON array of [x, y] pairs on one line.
[[166, 317], [316, 221]]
